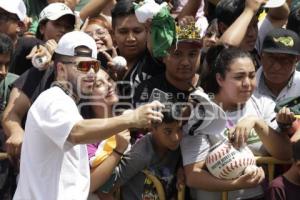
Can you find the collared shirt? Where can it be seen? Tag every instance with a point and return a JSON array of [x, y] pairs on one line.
[[292, 89]]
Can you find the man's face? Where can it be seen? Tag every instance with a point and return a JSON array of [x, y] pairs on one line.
[[130, 36], [4, 62], [168, 135], [278, 67], [10, 24], [57, 28], [182, 62], [81, 82], [249, 40]]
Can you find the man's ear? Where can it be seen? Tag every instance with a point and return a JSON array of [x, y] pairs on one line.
[[62, 72]]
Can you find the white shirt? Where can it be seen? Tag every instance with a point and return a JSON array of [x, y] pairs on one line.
[[51, 167], [195, 148], [292, 89]]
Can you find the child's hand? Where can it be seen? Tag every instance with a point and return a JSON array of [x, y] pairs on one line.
[[122, 140], [180, 179]]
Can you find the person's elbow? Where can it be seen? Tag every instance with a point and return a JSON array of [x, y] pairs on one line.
[[77, 134], [190, 178]]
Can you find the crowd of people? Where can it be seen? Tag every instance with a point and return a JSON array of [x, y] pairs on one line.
[[96, 94]]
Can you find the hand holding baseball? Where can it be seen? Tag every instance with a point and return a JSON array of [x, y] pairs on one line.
[[249, 180]]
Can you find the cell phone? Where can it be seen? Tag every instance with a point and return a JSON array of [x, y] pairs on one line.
[[102, 58], [158, 95]]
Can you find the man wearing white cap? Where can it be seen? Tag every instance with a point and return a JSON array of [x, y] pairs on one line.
[[11, 16], [54, 161]]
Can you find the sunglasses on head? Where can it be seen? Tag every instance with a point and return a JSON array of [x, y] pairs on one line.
[[85, 66]]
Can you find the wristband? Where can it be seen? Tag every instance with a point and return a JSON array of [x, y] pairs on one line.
[[284, 127], [117, 152]]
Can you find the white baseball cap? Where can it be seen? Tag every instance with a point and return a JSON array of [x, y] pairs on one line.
[[274, 3], [16, 7], [54, 11], [69, 41]]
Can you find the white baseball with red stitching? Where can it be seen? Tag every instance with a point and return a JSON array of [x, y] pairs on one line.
[[226, 162]]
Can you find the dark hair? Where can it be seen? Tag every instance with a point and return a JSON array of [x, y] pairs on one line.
[[218, 60], [38, 33], [171, 113], [6, 44], [212, 29], [121, 9], [227, 11], [101, 21], [294, 20]]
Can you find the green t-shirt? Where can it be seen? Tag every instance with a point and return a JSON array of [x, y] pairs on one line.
[[81, 4]]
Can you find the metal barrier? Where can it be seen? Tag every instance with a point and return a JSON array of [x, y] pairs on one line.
[[159, 188], [270, 162]]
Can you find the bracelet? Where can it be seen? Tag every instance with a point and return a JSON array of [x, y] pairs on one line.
[[284, 127], [117, 152]]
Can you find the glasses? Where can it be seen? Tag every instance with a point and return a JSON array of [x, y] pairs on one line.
[[287, 60], [100, 32], [85, 66]]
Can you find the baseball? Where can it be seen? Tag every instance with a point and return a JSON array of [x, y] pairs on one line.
[[225, 162], [120, 62], [250, 169], [39, 61]]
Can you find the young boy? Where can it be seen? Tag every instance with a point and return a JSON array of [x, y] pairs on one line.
[[287, 186], [156, 152], [6, 173]]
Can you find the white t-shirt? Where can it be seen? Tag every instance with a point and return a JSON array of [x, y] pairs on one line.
[[292, 89], [195, 148], [51, 167]]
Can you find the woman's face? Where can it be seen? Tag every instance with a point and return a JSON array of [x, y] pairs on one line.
[[57, 28], [239, 82], [105, 89], [101, 36], [210, 39]]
